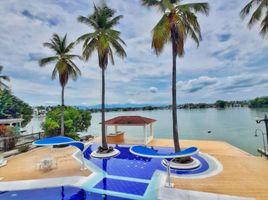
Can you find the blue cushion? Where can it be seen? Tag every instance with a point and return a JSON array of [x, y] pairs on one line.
[[150, 153]]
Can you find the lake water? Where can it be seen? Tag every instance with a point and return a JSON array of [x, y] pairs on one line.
[[234, 125]]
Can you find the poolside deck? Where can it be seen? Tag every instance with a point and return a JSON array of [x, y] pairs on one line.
[[24, 166], [243, 174]]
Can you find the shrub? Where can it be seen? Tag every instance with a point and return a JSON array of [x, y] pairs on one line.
[[73, 136], [75, 120], [7, 131], [13, 107], [24, 148]]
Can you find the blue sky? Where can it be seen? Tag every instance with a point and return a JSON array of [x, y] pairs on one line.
[[230, 63]]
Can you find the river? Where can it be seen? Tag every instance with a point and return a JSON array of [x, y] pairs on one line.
[[234, 125]]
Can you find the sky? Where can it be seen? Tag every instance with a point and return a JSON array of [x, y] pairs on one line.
[[230, 62]]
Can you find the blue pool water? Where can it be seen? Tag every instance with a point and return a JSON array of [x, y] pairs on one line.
[[125, 176], [56, 193], [124, 186], [128, 165]]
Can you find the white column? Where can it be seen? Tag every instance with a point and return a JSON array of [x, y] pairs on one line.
[[151, 130], [145, 135], [115, 128]]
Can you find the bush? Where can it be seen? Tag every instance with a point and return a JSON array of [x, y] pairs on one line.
[[259, 102], [24, 148], [7, 131], [73, 136], [13, 107], [75, 120]]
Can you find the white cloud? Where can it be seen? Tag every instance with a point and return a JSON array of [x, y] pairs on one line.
[[228, 55], [153, 89]]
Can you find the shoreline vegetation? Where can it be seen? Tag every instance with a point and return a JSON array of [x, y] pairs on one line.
[[259, 102]]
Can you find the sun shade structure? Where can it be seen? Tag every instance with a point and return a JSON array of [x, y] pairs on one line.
[[150, 153], [60, 140], [146, 123]]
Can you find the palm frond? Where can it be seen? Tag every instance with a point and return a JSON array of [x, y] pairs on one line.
[[87, 36], [202, 8], [73, 70], [89, 48], [72, 56], [246, 10], [111, 55], [87, 21], [119, 50], [52, 46], [48, 60], [257, 14], [54, 73], [114, 21], [161, 34], [69, 47], [264, 26], [150, 2]]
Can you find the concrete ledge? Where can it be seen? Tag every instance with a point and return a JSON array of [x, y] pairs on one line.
[[105, 155], [174, 194], [42, 183]]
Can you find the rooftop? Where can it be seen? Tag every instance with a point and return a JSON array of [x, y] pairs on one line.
[[129, 120]]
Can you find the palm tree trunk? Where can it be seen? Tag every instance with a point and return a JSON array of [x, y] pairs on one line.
[[174, 93], [103, 135], [62, 112]]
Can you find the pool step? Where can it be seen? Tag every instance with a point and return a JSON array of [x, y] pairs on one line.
[[122, 186]]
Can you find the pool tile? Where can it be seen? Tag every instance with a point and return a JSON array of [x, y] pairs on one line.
[[123, 186]]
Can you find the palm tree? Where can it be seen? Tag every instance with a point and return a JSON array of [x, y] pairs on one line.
[[3, 77], [105, 40], [177, 23], [259, 15], [64, 67]]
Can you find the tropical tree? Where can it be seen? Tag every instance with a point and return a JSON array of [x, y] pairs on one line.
[[260, 14], [178, 22], [64, 67], [3, 77], [105, 40]]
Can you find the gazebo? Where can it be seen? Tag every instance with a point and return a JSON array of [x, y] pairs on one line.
[[133, 121]]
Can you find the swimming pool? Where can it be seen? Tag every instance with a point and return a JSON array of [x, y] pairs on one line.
[[135, 177], [125, 176], [128, 165], [56, 193]]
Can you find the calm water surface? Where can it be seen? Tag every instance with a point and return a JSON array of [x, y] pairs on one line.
[[233, 125]]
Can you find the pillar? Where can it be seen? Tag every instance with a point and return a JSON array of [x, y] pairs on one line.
[[115, 128], [145, 135]]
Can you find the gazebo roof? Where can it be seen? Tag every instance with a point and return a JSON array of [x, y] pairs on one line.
[[129, 120]]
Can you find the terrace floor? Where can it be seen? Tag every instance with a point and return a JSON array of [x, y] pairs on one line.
[[24, 166], [243, 174]]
